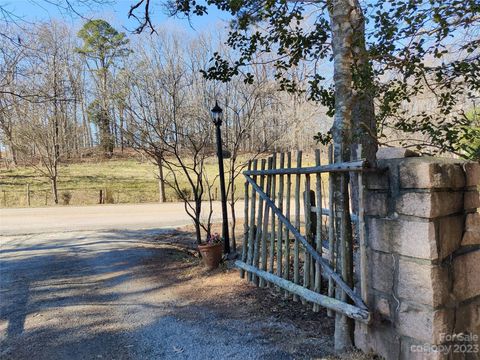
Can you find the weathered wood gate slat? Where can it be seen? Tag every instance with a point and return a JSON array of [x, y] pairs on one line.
[[318, 237], [360, 165], [296, 261], [331, 229], [255, 260], [309, 295]]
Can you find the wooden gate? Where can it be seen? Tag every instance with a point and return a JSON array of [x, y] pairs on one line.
[[298, 265]]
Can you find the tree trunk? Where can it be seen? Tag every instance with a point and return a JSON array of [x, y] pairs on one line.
[[161, 181], [198, 233], [198, 211], [363, 114], [232, 232], [7, 130], [108, 140], [75, 127], [234, 216], [87, 135], [54, 189], [13, 153], [114, 127], [342, 13], [121, 115], [344, 326]]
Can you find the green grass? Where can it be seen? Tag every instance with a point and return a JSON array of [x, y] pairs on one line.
[[127, 180]]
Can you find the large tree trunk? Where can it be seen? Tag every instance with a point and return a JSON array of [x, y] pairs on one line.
[[342, 17], [363, 114]]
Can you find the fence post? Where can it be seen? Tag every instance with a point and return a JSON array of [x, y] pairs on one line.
[[331, 230], [258, 234], [252, 230], [296, 255], [280, 225], [246, 228], [287, 214], [307, 259], [362, 233], [265, 223], [318, 228], [272, 229]]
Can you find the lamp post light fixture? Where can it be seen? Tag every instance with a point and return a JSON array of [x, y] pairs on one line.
[[217, 117]]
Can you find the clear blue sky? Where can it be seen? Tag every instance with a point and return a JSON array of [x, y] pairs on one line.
[[114, 11]]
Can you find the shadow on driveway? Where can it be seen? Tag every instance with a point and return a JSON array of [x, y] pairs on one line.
[[125, 295]]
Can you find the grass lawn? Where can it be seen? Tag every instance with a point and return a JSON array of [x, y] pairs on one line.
[[127, 180]]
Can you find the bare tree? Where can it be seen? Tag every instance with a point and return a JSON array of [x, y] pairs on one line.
[[169, 123], [42, 138]]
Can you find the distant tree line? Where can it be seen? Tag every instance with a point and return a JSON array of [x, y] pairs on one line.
[[87, 90]]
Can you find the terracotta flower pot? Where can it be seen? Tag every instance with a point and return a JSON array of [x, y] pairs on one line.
[[211, 255]]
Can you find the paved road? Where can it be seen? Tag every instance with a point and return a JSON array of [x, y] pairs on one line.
[[99, 217]]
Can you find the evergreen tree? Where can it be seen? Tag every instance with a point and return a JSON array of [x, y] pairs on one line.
[[102, 47]]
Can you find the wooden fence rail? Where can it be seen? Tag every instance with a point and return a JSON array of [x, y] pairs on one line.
[[309, 295]]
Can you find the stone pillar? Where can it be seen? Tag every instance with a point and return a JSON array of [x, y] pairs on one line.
[[423, 251]]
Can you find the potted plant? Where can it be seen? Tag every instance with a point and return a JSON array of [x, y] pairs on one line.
[[212, 251]]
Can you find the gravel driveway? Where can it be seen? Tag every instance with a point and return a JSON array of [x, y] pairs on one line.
[[131, 294]]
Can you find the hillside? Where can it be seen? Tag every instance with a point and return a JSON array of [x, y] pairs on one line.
[[126, 178]]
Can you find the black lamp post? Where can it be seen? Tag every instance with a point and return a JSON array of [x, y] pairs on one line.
[[217, 115]]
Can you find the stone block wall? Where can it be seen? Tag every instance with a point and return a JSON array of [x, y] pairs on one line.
[[423, 251]]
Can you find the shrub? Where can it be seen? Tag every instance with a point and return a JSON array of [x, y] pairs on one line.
[[109, 196], [66, 197]]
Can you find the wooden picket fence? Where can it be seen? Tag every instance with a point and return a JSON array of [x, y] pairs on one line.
[[310, 266]]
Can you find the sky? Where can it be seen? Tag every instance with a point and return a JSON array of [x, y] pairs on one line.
[[114, 11]]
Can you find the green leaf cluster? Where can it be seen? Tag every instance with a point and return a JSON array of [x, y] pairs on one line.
[[102, 43], [413, 47]]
